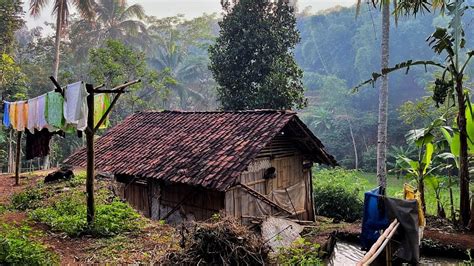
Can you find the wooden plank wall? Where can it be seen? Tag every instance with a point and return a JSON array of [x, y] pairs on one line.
[[136, 194], [283, 154], [196, 203]]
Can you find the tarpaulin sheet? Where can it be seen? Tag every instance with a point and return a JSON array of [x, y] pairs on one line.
[[406, 212], [374, 220]]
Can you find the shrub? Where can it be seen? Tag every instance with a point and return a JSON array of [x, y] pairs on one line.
[[69, 215], [28, 199], [301, 252], [17, 249], [338, 203]]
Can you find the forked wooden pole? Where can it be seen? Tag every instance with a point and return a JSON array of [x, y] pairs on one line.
[[90, 156]]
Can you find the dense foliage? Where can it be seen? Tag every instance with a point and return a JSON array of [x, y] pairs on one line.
[[252, 59], [337, 200], [18, 248]]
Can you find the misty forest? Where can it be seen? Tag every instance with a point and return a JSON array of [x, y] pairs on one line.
[[199, 130]]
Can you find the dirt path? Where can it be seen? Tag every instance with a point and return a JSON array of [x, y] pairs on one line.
[[8, 187]]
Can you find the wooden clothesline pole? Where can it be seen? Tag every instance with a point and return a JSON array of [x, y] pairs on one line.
[[90, 132]]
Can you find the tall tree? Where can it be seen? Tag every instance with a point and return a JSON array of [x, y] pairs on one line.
[[252, 59], [61, 12], [383, 94], [11, 19], [115, 20]]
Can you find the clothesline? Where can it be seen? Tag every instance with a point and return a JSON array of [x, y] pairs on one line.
[[55, 110]]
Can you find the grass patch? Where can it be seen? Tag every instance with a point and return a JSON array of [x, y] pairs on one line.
[[18, 248], [360, 182]]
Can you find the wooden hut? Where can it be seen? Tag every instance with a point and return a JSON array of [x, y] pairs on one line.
[[190, 165]]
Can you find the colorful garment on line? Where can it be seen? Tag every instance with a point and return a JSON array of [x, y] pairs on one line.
[[21, 115], [54, 109], [101, 104], [13, 114], [6, 114], [41, 110], [32, 122], [75, 105]]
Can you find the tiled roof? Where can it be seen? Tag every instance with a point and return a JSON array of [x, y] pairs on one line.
[[208, 149]]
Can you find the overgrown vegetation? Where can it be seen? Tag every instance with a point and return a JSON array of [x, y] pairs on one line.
[[301, 252], [361, 182], [337, 198], [17, 247]]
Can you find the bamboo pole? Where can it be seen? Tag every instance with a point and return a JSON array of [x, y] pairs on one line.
[[17, 158], [90, 156], [379, 245]]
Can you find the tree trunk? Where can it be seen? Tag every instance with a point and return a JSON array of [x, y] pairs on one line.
[[356, 156], [421, 189], [463, 155], [57, 49], [451, 201], [383, 102]]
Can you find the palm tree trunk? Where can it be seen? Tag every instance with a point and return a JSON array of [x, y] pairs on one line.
[[57, 43], [383, 102]]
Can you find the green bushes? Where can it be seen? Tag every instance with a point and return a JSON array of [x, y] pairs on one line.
[[333, 196], [29, 199], [301, 252], [16, 248], [69, 215]]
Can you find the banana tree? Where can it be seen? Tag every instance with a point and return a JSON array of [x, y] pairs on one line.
[[421, 167]]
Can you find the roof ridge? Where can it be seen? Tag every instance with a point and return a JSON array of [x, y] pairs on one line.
[[222, 111]]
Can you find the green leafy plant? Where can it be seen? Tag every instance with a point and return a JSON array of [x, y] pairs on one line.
[[28, 199], [301, 252], [16, 248], [338, 203], [69, 216]]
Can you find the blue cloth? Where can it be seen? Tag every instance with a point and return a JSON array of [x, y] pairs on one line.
[[375, 218], [6, 114]]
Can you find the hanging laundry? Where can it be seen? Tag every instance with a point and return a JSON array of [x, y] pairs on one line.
[[37, 144], [75, 105], [32, 114], [101, 104], [13, 115], [41, 111], [6, 114], [21, 115], [54, 109]]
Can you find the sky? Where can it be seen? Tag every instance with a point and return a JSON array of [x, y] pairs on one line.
[[190, 8]]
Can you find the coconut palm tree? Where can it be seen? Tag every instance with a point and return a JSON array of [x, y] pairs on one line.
[[115, 20], [383, 93], [61, 12]]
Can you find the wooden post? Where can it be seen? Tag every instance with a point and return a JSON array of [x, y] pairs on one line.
[[90, 155], [17, 158]]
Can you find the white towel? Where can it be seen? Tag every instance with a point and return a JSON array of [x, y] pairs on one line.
[[32, 114], [75, 105], [41, 106]]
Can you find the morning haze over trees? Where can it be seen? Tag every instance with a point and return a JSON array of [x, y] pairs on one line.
[[385, 85]]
